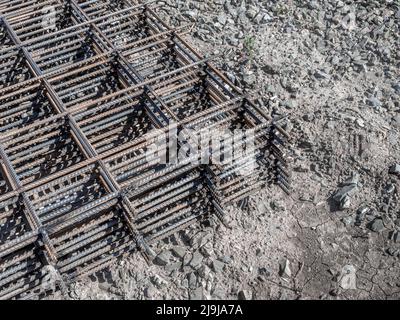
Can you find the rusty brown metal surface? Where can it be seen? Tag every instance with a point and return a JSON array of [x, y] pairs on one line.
[[79, 99]]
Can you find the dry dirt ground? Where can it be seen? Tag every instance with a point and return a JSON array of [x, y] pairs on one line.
[[333, 68]]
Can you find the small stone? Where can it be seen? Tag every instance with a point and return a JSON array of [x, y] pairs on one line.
[[222, 19], [207, 250], [363, 210], [187, 258], [334, 292], [354, 179], [361, 213], [185, 283], [179, 251], [284, 269], [218, 266], [319, 74], [344, 192], [348, 277], [347, 220], [396, 237], [360, 122], [374, 102], [252, 12], [173, 267], [197, 259], [204, 271], [345, 202], [309, 117], [396, 121], [245, 295], [290, 104], [266, 18], [226, 259], [150, 292], [192, 280], [158, 281], [395, 169], [163, 258], [249, 79], [392, 251], [264, 272], [377, 225], [390, 188]]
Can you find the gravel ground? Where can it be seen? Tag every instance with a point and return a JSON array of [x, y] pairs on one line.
[[332, 67]]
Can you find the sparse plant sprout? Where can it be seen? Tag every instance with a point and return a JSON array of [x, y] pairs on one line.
[[250, 47]]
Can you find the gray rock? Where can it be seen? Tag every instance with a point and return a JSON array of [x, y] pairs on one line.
[[192, 15], [344, 192], [192, 280], [347, 220], [173, 267], [187, 258], [232, 41], [393, 251], [197, 259], [265, 272], [390, 188], [349, 187], [289, 104], [396, 121], [207, 250], [249, 79], [363, 210], [179, 251], [204, 271], [396, 237], [321, 75], [163, 258], [374, 102], [284, 269], [266, 18], [345, 202], [158, 281], [354, 179], [252, 12], [226, 259], [313, 5], [245, 295], [360, 122], [377, 225], [185, 283], [309, 117], [218, 266], [361, 213], [222, 19], [150, 292], [395, 169]]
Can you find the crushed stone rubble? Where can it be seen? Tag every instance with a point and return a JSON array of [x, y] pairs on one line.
[[333, 67]]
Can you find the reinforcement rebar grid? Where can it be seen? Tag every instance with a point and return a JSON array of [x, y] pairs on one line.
[[79, 97]]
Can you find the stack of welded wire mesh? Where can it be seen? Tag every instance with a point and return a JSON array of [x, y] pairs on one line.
[[85, 89]]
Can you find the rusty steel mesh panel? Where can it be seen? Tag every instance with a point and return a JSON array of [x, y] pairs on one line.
[[85, 89]]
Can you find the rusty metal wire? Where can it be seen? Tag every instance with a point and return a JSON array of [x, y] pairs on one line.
[[81, 99]]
